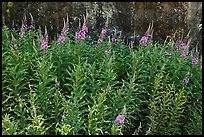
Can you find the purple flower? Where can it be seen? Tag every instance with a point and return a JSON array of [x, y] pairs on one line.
[[61, 39], [99, 41], [103, 31], [186, 80], [181, 46], [143, 40], [85, 29], [107, 51], [120, 119], [32, 26], [44, 45], [132, 42], [114, 39], [168, 53], [79, 35], [184, 54], [195, 61], [82, 33], [23, 27], [64, 31]]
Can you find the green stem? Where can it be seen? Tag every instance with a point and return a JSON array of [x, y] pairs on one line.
[[43, 88]]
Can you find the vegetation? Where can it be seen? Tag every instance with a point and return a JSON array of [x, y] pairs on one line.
[[78, 85]]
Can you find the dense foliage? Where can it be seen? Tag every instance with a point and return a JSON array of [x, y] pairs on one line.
[[75, 86]]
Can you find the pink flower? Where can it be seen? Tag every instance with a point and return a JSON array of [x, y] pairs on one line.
[[32, 26], [184, 54], [195, 61], [44, 45], [61, 39], [82, 33], [85, 29], [99, 41], [23, 27], [182, 45], [114, 39], [103, 31], [120, 119], [186, 80], [64, 31], [143, 40], [132, 42]]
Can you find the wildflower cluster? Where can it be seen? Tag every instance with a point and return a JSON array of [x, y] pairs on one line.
[[62, 37], [32, 26], [22, 30], [44, 45], [80, 89], [132, 42], [102, 34], [119, 119], [82, 33], [181, 46], [195, 61], [114, 39], [195, 58], [143, 41]]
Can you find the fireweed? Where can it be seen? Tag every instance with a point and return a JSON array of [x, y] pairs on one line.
[[143, 41], [119, 119], [81, 34], [184, 54], [114, 39], [32, 26], [102, 34], [22, 30], [181, 46], [62, 37], [132, 42], [82, 90], [186, 80], [44, 45], [195, 61]]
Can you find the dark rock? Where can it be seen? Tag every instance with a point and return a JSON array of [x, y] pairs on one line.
[[129, 17]]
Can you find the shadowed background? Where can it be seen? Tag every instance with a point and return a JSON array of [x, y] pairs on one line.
[[128, 17]]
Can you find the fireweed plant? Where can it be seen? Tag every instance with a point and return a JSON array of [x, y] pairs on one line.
[[70, 87]]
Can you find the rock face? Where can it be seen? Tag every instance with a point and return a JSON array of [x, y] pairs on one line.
[[128, 17]]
